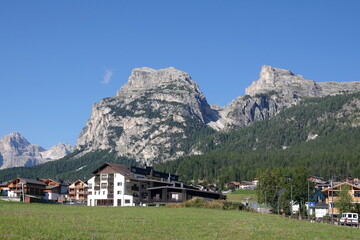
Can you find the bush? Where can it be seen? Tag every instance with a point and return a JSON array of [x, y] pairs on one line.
[[215, 204]]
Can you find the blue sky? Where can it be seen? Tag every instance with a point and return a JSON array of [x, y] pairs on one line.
[[54, 55]]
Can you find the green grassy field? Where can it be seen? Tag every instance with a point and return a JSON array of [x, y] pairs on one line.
[[45, 221], [240, 195]]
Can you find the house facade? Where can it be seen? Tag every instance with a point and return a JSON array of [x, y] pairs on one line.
[[333, 194], [31, 188], [118, 185], [78, 191]]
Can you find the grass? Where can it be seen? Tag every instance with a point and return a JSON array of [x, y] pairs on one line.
[[241, 195], [45, 221]]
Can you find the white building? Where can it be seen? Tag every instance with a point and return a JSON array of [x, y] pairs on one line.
[[118, 185], [107, 187]]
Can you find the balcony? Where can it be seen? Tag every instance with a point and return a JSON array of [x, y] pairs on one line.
[[110, 195], [97, 188], [134, 188]]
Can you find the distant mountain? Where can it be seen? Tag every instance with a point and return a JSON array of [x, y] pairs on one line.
[[275, 90], [321, 134], [160, 116], [16, 151], [156, 116]]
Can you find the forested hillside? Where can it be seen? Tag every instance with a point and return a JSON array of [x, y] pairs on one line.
[[321, 134], [68, 168]]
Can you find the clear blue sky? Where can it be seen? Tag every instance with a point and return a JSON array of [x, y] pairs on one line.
[[54, 55]]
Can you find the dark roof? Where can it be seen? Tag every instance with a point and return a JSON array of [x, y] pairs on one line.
[[52, 187], [33, 181], [4, 184], [321, 205], [124, 170], [319, 195]]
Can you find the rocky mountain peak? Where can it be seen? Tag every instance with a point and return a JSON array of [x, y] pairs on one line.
[[16, 151], [151, 117], [283, 81], [14, 140], [145, 79]]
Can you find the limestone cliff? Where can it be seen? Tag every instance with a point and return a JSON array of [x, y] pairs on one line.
[[153, 117], [275, 90], [158, 115], [16, 151]]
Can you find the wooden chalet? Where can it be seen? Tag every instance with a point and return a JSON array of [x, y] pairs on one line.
[[78, 191], [333, 194], [28, 187]]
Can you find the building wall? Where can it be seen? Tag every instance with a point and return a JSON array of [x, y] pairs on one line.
[[104, 189]]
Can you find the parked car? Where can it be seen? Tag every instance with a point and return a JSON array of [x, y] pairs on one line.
[[349, 219]]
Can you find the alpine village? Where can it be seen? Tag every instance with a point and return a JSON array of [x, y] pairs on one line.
[[289, 147]]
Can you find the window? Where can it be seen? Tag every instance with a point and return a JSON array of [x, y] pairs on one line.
[[127, 200], [104, 176], [103, 185], [90, 185], [119, 192], [119, 183], [103, 192]]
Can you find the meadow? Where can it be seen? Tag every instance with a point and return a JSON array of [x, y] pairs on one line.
[[50, 221], [241, 195]]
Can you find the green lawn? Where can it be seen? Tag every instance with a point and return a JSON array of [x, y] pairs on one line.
[[241, 195], [44, 221]]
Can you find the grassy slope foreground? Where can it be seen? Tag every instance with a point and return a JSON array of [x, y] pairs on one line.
[[41, 221]]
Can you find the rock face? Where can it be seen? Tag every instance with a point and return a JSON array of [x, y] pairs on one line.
[[158, 114], [58, 151], [275, 90], [151, 118], [16, 151]]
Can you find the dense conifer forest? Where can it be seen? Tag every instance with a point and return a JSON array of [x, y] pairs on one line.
[[320, 134]]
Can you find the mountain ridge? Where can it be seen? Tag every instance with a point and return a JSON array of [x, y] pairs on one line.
[[16, 151]]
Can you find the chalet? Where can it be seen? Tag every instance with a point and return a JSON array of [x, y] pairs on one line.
[[55, 190], [118, 185], [28, 187], [78, 191], [233, 185], [334, 192]]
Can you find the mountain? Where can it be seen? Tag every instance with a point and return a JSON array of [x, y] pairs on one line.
[[321, 134], [275, 90], [16, 151], [157, 115], [161, 117]]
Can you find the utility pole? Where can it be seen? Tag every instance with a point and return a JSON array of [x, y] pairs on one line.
[[332, 202], [22, 190], [308, 210], [291, 202], [265, 202]]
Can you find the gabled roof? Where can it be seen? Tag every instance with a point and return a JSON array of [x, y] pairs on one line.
[[339, 185], [76, 183], [27, 180], [124, 170], [234, 183]]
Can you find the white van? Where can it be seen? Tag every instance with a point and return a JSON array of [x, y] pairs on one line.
[[349, 219]]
